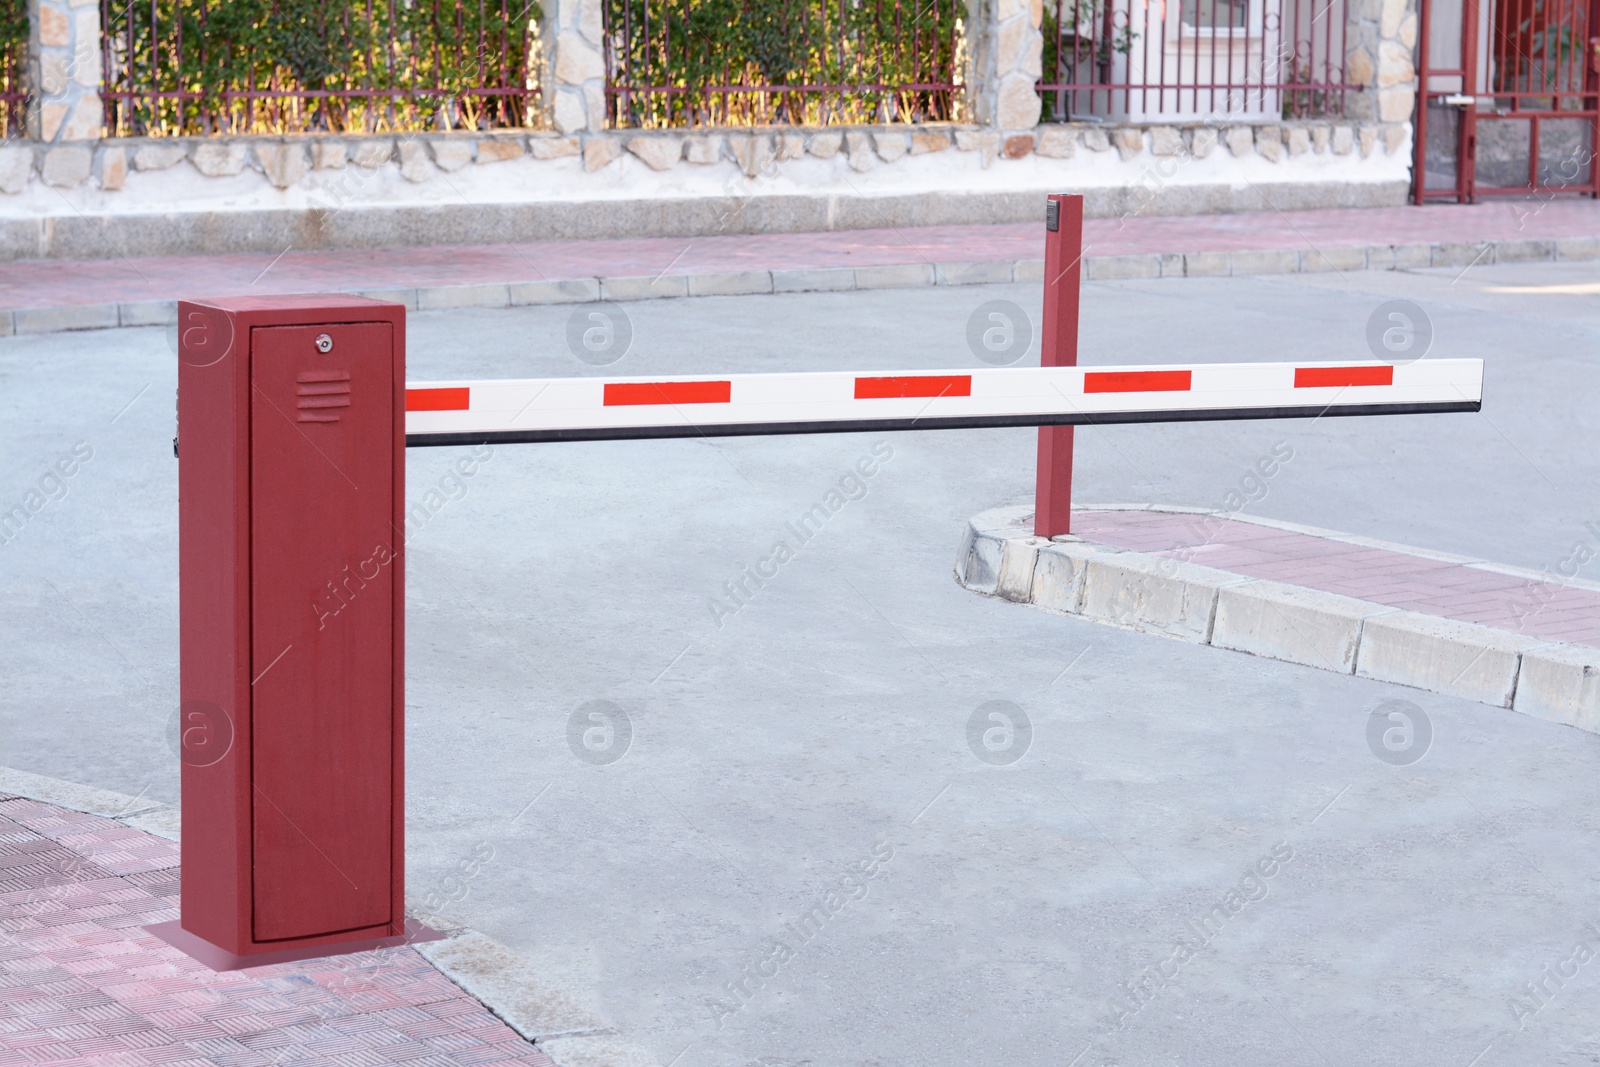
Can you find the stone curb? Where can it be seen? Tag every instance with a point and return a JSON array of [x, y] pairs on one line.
[[834, 279], [102, 802], [559, 1021], [1000, 557]]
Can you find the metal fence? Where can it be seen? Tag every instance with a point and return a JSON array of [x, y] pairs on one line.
[[290, 66], [1543, 47], [1150, 60], [13, 68], [796, 62]]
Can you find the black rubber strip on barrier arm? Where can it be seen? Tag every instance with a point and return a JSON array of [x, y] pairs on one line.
[[965, 422]]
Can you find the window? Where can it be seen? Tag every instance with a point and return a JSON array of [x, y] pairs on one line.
[[1215, 14]]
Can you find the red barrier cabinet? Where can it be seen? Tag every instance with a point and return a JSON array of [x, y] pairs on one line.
[[291, 414]]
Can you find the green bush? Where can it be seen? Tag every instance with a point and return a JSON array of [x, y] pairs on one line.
[[282, 66], [700, 62], [13, 64]]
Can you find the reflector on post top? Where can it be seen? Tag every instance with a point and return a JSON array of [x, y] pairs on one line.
[[291, 439]]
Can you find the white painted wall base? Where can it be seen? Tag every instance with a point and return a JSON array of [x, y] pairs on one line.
[[268, 195]]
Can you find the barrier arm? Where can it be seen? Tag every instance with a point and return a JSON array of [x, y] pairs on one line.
[[590, 409]]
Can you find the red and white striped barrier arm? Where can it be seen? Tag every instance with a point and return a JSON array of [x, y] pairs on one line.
[[576, 409]]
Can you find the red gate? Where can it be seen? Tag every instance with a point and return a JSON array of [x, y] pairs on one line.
[[1510, 99]]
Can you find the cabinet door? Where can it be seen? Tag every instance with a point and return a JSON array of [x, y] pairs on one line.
[[322, 607]]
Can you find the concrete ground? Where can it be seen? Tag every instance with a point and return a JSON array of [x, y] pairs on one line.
[[1058, 906]]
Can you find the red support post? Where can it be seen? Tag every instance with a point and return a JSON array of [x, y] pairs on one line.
[[1063, 270]]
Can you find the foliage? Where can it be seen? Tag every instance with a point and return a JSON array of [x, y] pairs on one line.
[[279, 66], [1304, 99], [1078, 46], [13, 62], [1551, 47], [745, 62], [13, 25]]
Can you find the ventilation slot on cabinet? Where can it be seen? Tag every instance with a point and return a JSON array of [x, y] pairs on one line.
[[321, 393]]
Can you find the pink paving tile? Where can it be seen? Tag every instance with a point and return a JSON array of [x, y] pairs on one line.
[[1566, 602], [1578, 633], [138, 1001], [1502, 620], [1392, 587], [1397, 579], [1561, 610], [1502, 586], [1368, 567], [1587, 636], [54, 282], [1466, 600]]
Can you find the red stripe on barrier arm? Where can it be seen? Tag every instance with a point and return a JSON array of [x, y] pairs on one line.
[[624, 393], [1136, 381], [438, 399], [1323, 377], [914, 385]]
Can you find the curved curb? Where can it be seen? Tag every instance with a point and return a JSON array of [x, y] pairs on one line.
[[559, 1021], [1000, 557]]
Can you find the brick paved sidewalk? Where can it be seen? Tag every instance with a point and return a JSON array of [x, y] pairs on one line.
[[1434, 584], [1528, 229], [84, 984]]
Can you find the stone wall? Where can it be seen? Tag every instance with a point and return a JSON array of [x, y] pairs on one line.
[[1383, 41], [71, 192], [64, 71], [1005, 66], [177, 195], [423, 159], [573, 67], [108, 165]]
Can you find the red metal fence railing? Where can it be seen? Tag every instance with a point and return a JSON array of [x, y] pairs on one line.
[[754, 62], [1150, 60], [1544, 63], [1541, 48], [290, 66], [13, 65], [1536, 123], [281, 66]]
